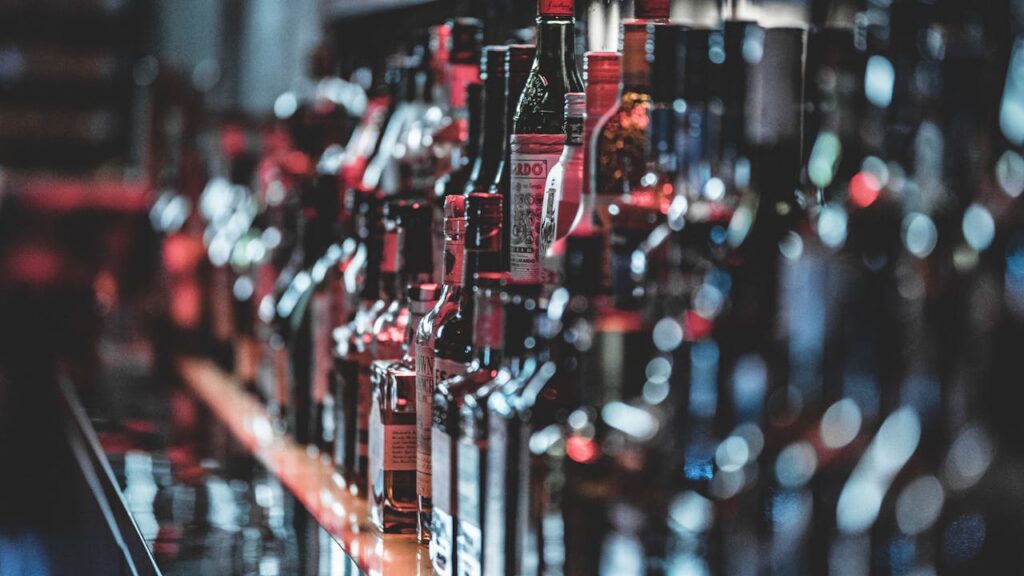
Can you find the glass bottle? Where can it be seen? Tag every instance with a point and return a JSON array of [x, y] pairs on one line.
[[492, 130], [392, 444], [538, 131], [520, 308], [352, 351], [447, 305], [453, 355], [565, 181]]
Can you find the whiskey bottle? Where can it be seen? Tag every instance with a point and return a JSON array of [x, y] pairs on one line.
[[447, 305], [538, 131], [453, 355]]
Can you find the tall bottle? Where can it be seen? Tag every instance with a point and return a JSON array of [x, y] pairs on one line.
[[392, 422], [492, 138], [451, 139], [518, 64], [453, 354], [447, 305], [520, 301], [621, 147], [538, 131], [565, 182]]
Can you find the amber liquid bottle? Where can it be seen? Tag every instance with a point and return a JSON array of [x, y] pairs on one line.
[[453, 354], [447, 305], [538, 131]]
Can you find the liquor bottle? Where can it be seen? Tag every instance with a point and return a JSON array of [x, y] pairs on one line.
[[520, 301], [352, 351], [565, 182], [392, 444], [456, 180], [453, 355], [538, 131], [452, 132], [447, 305], [449, 399], [491, 130], [601, 71], [518, 64], [621, 145]]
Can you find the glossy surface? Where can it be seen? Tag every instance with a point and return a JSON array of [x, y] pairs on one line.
[[308, 476]]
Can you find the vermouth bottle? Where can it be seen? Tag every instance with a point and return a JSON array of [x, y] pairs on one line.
[[488, 162], [520, 308], [538, 131], [447, 305], [518, 63], [392, 445], [453, 355], [565, 182]]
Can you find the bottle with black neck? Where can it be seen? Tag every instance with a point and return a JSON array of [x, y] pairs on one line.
[[520, 302], [447, 305], [488, 162], [352, 350], [453, 356], [518, 64], [538, 131], [392, 428]]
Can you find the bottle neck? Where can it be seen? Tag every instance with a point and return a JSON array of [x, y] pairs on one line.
[[461, 76], [636, 70], [389, 277], [556, 47], [454, 250], [601, 97], [492, 144]]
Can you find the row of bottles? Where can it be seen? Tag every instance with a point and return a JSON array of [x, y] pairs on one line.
[[731, 300]]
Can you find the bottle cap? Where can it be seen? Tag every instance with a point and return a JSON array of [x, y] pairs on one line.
[[454, 206], [602, 67], [651, 9], [464, 43], [556, 8], [493, 61]]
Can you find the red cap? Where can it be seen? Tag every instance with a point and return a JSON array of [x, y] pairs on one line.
[[651, 9], [556, 8]]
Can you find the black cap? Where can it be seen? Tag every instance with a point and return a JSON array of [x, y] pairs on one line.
[[493, 61], [466, 38], [520, 59]]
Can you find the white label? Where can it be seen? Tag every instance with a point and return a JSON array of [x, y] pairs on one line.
[[494, 505], [424, 415], [533, 156], [441, 454], [441, 529], [469, 544]]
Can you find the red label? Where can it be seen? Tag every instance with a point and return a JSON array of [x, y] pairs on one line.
[[556, 8]]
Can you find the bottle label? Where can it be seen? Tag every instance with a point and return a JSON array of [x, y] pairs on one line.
[[494, 501], [392, 446], [442, 530], [441, 455], [556, 8], [533, 157], [424, 415], [469, 533]]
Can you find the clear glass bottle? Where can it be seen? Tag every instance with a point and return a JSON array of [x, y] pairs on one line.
[[392, 444]]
